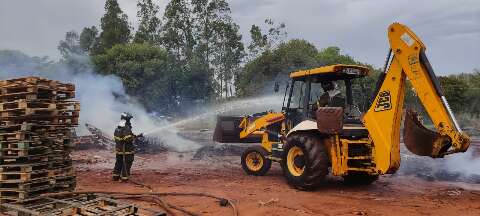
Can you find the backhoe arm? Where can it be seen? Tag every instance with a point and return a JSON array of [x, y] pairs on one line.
[[383, 119]]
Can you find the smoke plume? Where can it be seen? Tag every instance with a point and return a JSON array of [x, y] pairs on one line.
[[102, 100]]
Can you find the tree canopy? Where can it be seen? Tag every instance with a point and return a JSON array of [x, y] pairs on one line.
[[194, 53]]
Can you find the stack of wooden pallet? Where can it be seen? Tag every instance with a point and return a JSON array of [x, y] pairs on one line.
[[37, 117], [78, 204]]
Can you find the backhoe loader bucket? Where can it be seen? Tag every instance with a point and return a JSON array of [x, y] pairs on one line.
[[227, 130], [420, 140]]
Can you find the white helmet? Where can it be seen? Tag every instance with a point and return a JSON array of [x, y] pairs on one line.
[[122, 123]]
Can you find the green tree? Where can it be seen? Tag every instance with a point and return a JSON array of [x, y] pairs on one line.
[[218, 43], [455, 91], [275, 65], [88, 39], [73, 56], [332, 55], [149, 26], [146, 72], [261, 42], [70, 45], [115, 27], [227, 56], [258, 41], [177, 35]]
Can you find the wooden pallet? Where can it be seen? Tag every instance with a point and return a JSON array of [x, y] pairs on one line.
[[43, 95], [24, 88], [23, 195], [14, 128], [68, 105], [63, 183], [26, 104], [23, 168], [30, 80], [4, 200], [86, 205], [30, 186], [23, 144], [17, 136], [28, 112], [60, 163], [59, 172], [60, 120], [37, 128], [23, 152], [18, 177], [22, 160], [63, 187], [36, 120], [64, 95]]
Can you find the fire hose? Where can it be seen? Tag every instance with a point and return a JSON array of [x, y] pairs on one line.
[[155, 196]]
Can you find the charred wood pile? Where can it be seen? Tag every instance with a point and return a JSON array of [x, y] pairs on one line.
[[37, 117], [98, 139]]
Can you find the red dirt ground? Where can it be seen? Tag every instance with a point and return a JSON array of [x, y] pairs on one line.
[[270, 195]]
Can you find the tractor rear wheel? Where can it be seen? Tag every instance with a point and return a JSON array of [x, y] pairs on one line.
[[255, 161], [305, 161]]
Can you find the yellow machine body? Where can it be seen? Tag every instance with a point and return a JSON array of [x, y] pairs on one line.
[[378, 152]]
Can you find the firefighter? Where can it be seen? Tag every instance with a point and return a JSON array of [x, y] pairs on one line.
[[332, 96], [124, 148]]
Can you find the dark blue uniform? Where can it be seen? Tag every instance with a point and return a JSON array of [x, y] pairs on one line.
[[124, 150]]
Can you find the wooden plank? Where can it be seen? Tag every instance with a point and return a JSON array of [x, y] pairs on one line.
[[23, 144], [22, 195], [27, 159], [66, 171], [18, 177], [30, 186], [35, 127], [29, 167], [23, 152], [29, 80], [29, 112], [24, 104]]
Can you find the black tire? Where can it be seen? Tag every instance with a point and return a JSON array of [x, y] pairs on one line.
[[262, 155], [315, 161], [359, 178]]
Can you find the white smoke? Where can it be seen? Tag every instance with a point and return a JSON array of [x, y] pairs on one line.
[[466, 163], [102, 100]]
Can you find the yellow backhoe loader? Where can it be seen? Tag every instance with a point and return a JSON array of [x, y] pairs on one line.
[[309, 136]]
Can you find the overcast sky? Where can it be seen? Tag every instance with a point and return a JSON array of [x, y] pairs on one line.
[[449, 28]]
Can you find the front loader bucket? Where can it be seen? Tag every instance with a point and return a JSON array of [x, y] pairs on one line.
[[227, 130], [420, 140]]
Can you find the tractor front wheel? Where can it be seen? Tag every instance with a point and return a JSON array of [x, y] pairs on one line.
[[255, 161], [305, 161]]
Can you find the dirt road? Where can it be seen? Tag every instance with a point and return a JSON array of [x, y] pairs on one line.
[[270, 195]]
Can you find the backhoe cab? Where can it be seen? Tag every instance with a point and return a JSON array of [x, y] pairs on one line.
[[321, 127]]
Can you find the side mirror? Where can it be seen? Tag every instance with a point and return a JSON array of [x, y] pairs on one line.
[[276, 87]]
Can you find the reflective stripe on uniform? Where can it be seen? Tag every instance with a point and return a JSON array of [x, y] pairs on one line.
[[122, 138]]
